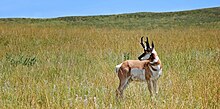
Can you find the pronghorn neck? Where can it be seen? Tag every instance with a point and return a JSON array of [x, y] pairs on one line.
[[154, 57]]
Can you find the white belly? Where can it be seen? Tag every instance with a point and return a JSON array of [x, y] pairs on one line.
[[138, 74]]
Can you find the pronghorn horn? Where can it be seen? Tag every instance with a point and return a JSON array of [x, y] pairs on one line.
[[147, 43], [152, 45], [142, 43]]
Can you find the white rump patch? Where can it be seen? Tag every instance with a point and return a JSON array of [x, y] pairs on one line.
[[117, 67], [138, 74]]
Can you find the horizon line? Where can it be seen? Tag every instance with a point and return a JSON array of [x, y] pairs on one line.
[[105, 14]]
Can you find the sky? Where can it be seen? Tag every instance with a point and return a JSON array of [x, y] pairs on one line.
[[60, 8]]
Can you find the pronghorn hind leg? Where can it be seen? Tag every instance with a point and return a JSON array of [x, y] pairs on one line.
[[119, 91], [122, 85]]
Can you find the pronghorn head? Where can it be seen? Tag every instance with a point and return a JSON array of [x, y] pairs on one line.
[[147, 50]]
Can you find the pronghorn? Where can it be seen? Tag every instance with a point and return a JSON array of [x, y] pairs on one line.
[[147, 69]]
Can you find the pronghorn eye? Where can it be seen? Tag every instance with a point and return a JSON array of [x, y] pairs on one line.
[[149, 50]]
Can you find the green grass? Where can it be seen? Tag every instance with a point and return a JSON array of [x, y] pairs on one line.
[[55, 65]]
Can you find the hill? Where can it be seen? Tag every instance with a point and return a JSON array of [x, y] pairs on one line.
[[148, 20], [151, 20]]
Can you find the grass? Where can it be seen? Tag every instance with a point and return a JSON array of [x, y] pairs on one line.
[[63, 66]]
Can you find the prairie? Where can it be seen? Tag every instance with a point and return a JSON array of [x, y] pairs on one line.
[[61, 65]]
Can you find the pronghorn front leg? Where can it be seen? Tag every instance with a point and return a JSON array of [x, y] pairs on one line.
[[150, 88], [155, 86]]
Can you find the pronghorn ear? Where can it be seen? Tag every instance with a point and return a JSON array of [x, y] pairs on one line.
[[152, 45]]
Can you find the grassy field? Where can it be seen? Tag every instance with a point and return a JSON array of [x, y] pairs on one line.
[[55, 65]]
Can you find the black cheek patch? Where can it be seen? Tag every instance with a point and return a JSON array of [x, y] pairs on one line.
[[141, 56]]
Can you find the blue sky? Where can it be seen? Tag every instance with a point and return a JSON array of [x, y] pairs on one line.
[[58, 8]]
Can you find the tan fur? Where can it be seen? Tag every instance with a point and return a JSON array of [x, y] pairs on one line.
[[124, 73], [128, 70], [136, 63]]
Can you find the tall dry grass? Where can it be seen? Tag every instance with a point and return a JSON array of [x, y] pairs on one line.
[[73, 67]]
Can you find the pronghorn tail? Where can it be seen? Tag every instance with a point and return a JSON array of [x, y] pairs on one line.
[[117, 67]]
